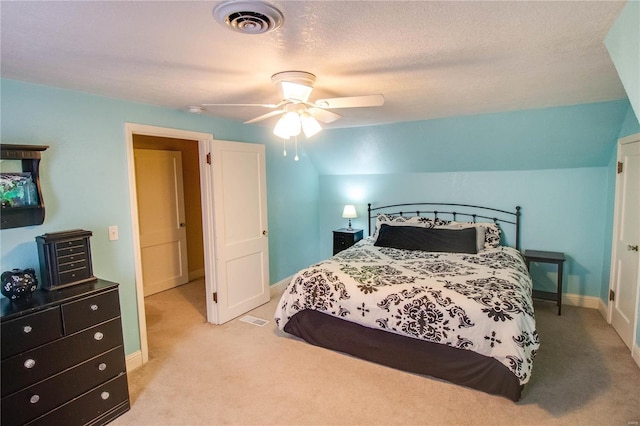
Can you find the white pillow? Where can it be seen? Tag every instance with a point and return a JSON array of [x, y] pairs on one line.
[[392, 220], [487, 233]]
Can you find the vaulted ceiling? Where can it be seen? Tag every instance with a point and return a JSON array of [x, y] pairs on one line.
[[429, 59]]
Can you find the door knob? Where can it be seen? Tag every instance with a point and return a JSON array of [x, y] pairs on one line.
[[265, 232], [632, 248]]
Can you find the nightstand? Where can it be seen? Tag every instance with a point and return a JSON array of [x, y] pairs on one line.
[[344, 238], [548, 257]]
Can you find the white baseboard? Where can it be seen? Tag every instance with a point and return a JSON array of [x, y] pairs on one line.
[[194, 275], [279, 287], [603, 309], [582, 301], [134, 361]]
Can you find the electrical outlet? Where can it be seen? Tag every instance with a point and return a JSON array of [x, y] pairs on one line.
[[113, 232]]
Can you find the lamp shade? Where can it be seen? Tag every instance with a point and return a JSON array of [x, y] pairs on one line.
[[310, 125], [288, 125], [349, 212]]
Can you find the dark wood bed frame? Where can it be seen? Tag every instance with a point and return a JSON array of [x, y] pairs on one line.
[[458, 366]]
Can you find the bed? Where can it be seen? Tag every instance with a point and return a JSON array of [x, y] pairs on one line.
[[437, 292]]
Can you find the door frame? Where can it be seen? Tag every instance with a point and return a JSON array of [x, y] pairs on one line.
[[204, 142], [635, 353]]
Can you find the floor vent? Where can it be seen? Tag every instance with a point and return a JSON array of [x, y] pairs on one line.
[[255, 321]]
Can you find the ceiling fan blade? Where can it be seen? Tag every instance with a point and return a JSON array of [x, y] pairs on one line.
[[323, 115], [351, 102], [264, 116], [244, 105]]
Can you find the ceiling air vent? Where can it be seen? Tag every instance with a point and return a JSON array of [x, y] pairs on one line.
[[248, 17]]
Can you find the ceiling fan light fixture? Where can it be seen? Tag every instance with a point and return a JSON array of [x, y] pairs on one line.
[[295, 86], [295, 91], [310, 125], [292, 121], [281, 130], [248, 17], [288, 125]]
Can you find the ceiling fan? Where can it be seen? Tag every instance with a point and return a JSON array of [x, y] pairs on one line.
[[296, 112]]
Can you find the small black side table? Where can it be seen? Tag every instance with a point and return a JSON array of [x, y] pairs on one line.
[[344, 238], [548, 257]]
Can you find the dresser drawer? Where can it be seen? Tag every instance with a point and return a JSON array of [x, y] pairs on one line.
[[77, 242], [44, 396], [79, 257], [87, 407], [29, 331], [73, 276], [89, 311], [74, 264], [342, 240], [71, 248], [37, 364]]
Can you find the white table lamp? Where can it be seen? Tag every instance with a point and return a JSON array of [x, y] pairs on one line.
[[349, 212]]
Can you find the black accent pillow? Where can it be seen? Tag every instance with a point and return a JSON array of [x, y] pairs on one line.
[[428, 239]]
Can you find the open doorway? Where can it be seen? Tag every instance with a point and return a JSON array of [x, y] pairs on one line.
[[197, 216], [170, 227], [234, 226]]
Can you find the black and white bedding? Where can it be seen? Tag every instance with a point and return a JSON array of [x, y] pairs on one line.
[[476, 301]]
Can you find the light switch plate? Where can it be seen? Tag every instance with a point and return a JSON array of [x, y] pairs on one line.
[[113, 233]]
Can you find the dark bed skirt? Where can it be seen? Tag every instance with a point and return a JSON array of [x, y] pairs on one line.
[[454, 365]]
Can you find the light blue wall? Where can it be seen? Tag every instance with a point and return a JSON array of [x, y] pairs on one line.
[[293, 210], [562, 209], [550, 138], [85, 181], [630, 124]]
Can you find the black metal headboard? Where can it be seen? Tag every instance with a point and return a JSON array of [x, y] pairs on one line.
[[469, 213]]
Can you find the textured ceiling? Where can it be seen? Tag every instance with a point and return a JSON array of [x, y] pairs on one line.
[[429, 59]]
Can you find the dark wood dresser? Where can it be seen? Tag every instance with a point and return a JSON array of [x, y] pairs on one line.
[[63, 359]]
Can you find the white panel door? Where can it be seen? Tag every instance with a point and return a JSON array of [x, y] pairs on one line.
[[240, 216], [163, 237], [626, 241]]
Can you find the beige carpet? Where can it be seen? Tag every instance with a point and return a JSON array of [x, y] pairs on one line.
[[239, 373]]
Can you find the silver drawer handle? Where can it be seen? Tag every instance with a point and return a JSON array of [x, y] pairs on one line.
[[30, 363], [98, 335], [104, 395], [34, 399], [102, 366], [27, 329], [94, 307]]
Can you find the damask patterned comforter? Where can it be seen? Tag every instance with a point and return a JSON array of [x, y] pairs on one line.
[[478, 302]]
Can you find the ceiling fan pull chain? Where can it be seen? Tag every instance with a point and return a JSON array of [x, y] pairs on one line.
[[284, 146], [296, 143]]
